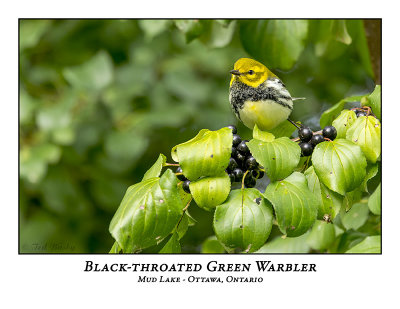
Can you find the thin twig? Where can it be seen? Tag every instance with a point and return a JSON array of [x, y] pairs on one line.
[[171, 164], [293, 123]]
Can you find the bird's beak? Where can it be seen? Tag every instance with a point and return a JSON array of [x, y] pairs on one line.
[[235, 72]]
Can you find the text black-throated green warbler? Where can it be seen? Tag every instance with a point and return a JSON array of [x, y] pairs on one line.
[[258, 96]]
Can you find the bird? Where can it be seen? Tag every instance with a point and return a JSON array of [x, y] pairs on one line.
[[258, 96]]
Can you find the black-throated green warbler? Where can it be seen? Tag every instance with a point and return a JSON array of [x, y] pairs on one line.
[[258, 96]]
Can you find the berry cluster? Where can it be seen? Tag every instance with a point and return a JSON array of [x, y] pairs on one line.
[[242, 161], [308, 140]]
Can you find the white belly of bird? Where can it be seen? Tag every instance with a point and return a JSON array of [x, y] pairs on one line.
[[267, 114]]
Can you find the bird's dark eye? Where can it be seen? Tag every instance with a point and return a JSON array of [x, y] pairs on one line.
[[251, 72]]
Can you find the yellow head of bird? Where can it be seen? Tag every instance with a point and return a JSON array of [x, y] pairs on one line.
[[250, 72]]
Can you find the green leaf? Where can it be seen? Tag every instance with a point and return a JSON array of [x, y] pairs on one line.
[[93, 75], [355, 217], [344, 122], [221, 35], [212, 245], [276, 43], [31, 31], [244, 221], [374, 101], [155, 170], [322, 235], [262, 135], [286, 245], [330, 38], [340, 165], [173, 245], [279, 157], [372, 171], [295, 206], [330, 114], [148, 212], [115, 248], [153, 27], [329, 202], [192, 28], [208, 192], [374, 201], [341, 33], [351, 198], [207, 154], [366, 132], [34, 160], [371, 244]]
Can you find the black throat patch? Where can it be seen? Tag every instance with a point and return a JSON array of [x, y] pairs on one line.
[[240, 93]]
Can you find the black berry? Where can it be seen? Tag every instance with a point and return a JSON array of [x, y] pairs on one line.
[[306, 149], [250, 163], [242, 147], [329, 132], [305, 134], [258, 174], [233, 153], [240, 158], [185, 186], [180, 177], [232, 164], [232, 177], [238, 173], [236, 140], [316, 139], [361, 113], [249, 181], [234, 129]]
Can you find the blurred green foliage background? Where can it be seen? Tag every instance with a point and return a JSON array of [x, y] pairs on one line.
[[100, 99]]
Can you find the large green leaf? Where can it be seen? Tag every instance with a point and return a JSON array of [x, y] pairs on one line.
[[322, 235], [286, 245], [371, 244], [330, 114], [208, 192], [207, 154], [279, 157], [329, 202], [94, 74], [148, 212], [340, 165], [276, 43], [344, 122], [295, 206], [374, 201], [355, 217], [155, 170], [374, 101], [244, 221], [366, 132]]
